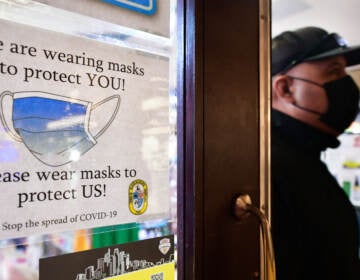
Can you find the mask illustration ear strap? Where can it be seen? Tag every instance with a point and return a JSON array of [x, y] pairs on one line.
[[112, 116], [11, 132]]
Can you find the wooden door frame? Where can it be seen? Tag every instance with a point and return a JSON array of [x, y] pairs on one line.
[[189, 212], [198, 21]]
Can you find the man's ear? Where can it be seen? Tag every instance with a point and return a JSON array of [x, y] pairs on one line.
[[281, 88]]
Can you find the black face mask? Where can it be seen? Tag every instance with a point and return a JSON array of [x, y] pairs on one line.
[[343, 102]]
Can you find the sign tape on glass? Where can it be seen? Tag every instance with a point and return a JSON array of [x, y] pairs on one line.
[[147, 7]]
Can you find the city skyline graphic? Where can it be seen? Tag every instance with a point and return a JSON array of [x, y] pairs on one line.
[[111, 261], [117, 263]]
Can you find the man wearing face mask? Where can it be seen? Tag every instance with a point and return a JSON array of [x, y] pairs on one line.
[[314, 225]]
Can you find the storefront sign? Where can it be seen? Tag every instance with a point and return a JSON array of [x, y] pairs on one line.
[[84, 133]]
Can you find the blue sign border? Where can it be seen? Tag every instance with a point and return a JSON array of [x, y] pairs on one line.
[[134, 6]]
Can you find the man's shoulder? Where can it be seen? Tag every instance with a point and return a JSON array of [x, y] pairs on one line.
[[294, 162], [285, 152]]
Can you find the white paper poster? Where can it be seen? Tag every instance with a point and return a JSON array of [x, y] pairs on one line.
[[84, 133]]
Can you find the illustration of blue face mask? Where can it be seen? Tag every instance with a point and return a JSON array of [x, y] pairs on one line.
[[54, 128]]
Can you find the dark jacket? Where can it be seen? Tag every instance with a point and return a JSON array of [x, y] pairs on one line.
[[314, 225]]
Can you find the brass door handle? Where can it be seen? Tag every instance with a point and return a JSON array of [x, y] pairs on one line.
[[243, 207]]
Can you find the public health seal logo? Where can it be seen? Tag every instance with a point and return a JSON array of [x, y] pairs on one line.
[[138, 197]]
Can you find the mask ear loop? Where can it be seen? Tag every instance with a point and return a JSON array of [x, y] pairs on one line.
[[307, 81], [11, 132], [112, 116]]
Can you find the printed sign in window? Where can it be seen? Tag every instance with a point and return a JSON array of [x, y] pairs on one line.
[[84, 133]]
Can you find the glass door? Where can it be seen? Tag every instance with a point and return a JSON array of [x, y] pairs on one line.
[[88, 139]]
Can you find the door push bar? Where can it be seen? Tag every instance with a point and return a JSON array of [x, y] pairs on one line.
[[242, 210]]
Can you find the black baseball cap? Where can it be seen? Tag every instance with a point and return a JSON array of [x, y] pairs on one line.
[[308, 44]]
